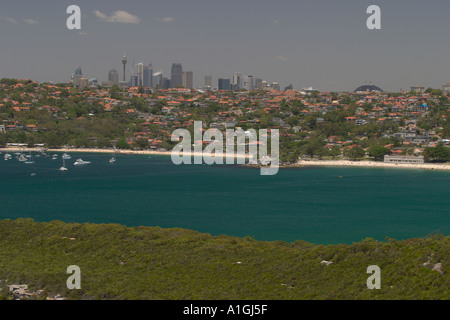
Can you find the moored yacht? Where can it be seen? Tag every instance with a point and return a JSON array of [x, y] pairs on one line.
[[63, 168], [80, 162]]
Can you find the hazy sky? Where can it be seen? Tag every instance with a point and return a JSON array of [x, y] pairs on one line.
[[320, 43]]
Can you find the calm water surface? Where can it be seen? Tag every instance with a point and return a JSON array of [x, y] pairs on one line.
[[320, 205]]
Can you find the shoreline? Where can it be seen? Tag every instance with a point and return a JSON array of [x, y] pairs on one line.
[[301, 163], [369, 164], [110, 151]]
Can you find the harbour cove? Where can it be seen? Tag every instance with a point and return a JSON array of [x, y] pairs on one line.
[[323, 205]]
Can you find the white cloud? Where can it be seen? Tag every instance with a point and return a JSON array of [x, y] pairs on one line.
[[118, 16], [100, 15], [281, 58], [11, 20], [165, 19], [30, 21]]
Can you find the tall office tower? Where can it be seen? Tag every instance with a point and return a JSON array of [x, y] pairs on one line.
[[188, 80], [236, 82], [166, 83], [113, 76], [134, 82], [224, 84], [275, 86], [258, 83], [147, 76], [124, 62], [176, 77], [83, 83], [76, 76], [157, 80], [247, 83], [208, 81], [140, 73]]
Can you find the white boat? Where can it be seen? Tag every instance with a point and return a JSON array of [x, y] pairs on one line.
[[66, 156], [112, 160], [22, 158], [7, 156], [81, 162], [63, 168]]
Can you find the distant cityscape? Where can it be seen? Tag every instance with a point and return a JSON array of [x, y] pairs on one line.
[[144, 75]]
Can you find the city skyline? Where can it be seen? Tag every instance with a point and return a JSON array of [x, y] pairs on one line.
[[322, 44]]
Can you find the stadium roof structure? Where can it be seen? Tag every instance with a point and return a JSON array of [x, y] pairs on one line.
[[368, 88]]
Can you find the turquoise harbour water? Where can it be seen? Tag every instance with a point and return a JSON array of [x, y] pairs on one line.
[[321, 205]]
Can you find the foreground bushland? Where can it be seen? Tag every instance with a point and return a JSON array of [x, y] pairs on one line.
[[119, 262]]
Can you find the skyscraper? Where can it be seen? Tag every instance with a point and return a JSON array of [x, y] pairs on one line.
[[188, 80], [247, 83], [113, 76], [140, 73], [76, 77], [165, 83], [208, 81], [134, 81], [157, 79], [176, 75], [124, 62], [224, 84], [83, 83], [236, 82], [147, 76]]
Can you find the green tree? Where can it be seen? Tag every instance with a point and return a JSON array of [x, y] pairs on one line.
[[335, 151], [378, 152], [142, 143], [3, 140], [122, 144], [437, 154], [355, 153]]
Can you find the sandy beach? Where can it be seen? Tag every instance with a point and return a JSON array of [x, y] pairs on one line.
[[371, 164], [88, 150]]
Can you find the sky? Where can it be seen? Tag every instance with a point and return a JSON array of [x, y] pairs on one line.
[[324, 44]]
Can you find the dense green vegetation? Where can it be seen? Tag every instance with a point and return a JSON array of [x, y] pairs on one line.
[[313, 125], [119, 262]]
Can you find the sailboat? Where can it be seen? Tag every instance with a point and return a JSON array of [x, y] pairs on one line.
[[81, 162], [63, 168], [113, 159]]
